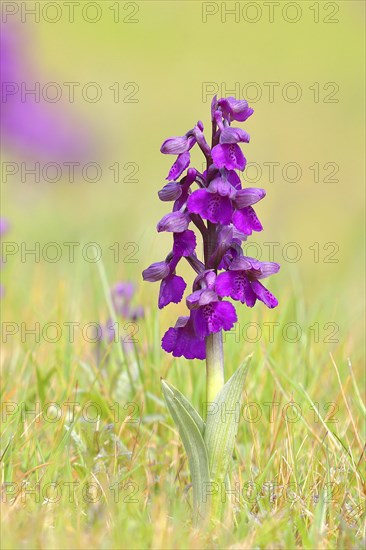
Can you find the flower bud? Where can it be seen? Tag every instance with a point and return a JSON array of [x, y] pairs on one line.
[[174, 222], [170, 192], [156, 272], [249, 195], [175, 145], [234, 135]]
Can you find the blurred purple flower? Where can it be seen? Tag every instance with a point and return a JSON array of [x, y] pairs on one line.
[[30, 124], [122, 294]]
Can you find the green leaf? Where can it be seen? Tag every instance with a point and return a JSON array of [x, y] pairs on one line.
[[191, 428], [187, 405], [221, 429]]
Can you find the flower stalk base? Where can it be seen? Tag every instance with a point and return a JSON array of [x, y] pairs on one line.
[[214, 366]]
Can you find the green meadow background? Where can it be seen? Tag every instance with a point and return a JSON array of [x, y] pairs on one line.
[[174, 60]]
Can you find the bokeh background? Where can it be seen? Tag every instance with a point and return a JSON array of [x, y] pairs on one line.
[[155, 65]]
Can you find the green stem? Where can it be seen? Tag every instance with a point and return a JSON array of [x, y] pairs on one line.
[[214, 366], [214, 349]]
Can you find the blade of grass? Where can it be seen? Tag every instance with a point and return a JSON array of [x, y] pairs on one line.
[[112, 313]]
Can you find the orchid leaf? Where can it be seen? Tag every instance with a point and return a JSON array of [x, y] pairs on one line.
[[222, 427], [191, 426]]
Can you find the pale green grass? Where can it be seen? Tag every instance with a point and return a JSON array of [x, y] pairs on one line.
[[303, 481]]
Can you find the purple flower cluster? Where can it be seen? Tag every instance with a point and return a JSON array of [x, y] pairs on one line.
[[35, 127], [222, 210], [122, 294]]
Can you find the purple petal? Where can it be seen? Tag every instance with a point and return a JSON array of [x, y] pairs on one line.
[[193, 299], [228, 156], [169, 340], [238, 236], [205, 279], [201, 140], [246, 220], [224, 241], [185, 184], [181, 200], [210, 279], [207, 297], [223, 187], [171, 290], [175, 145], [179, 166], [233, 178], [249, 195], [234, 135], [156, 272], [211, 206], [174, 222], [264, 295], [213, 107], [184, 243], [244, 263], [236, 109], [170, 192], [225, 283], [267, 269], [182, 340], [225, 315], [236, 285], [214, 317]]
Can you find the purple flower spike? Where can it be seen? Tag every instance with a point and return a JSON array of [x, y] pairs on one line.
[[222, 210]]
